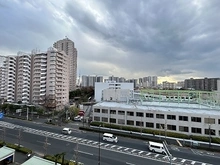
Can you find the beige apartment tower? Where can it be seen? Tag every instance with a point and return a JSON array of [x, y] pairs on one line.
[[67, 46], [50, 83]]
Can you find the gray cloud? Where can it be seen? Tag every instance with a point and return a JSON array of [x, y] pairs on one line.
[[126, 38]]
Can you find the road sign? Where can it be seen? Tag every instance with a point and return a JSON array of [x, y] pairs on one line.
[[1, 115]]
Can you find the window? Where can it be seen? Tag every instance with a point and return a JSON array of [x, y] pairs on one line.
[[171, 117], [150, 115], [130, 122], [97, 110], [112, 111], [160, 126], [121, 121], [196, 130], [121, 112], [218, 121], [140, 123], [96, 118], [139, 114], [196, 119], [104, 119], [129, 113], [160, 116], [183, 129], [209, 131], [183, 118], [150, 125], [112, 120], [209, 120], [171, 127], [104, 111]]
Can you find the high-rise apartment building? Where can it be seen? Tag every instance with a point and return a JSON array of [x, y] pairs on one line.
[[23, 77], [148, 82], [89, 81], [206, 84], [39, 77], [67, 46], [8, 78], [50, 83]]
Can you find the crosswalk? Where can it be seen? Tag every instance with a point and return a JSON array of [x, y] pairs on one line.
[[107, 146]]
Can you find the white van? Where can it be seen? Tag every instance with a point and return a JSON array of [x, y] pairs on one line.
[[66, 131], [110, 137], [156, 147]]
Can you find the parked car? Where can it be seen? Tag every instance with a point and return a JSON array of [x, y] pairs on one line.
[[78, 118]]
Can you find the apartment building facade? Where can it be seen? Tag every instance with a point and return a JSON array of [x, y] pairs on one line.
[[32, 78], [68, 47], [50, 83], [89, 80], [23, 78], [8, 78], [206, 84]]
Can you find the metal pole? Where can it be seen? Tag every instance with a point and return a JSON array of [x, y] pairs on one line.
[[27, 113], [99, 161], [209, 135]]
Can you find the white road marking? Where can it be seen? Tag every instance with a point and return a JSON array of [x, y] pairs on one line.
[[193, 162], [183, 160], [85, 153], [179, 143], [43, 142]]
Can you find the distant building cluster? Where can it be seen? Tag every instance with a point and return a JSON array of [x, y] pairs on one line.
[[33, 77], [151, 82]]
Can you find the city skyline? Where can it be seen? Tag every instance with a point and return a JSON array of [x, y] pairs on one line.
[[172, 40]]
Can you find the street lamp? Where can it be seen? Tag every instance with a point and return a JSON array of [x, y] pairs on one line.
[[99, 161]]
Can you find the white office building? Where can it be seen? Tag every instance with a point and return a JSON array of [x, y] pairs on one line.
[[187, 112], [111, 90]]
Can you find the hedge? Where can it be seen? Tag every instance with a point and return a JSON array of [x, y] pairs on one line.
[[157, 132], [16, 147]]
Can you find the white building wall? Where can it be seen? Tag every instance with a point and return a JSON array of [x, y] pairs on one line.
[[99, 87], [121, 95], [120, 112]]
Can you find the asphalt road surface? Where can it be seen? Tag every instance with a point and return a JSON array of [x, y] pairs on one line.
[[84, 146]]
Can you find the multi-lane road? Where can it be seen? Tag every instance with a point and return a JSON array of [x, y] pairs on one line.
[[84, 146]]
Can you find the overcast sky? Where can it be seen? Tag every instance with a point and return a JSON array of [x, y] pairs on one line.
[[171, 39]]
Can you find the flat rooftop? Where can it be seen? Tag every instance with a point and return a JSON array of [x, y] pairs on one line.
[[35, 160], [163, 106]]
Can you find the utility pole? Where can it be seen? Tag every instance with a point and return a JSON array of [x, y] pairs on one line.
[[209, 135], [167, 152], [76, 153], [3, 134], [27, 112], [99, 161], [19, 137], [46, 145]]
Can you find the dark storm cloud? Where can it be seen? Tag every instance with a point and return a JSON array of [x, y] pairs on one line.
[[125, 38], [159, 34]]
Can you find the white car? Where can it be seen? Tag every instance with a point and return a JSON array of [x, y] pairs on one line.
[[78, 118], [66, 131]]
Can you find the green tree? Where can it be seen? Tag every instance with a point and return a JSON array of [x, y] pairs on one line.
[[74, 111]]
